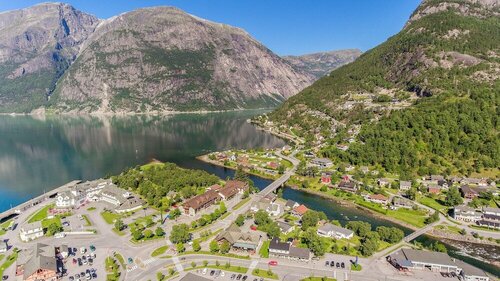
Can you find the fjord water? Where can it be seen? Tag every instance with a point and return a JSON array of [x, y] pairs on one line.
[[40, 153], [37, 154]]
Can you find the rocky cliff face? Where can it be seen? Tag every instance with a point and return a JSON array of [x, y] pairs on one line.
[[321, 64], [37, 45], [162, 59]]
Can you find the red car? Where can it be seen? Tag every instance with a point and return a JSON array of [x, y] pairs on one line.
[[273, 263]]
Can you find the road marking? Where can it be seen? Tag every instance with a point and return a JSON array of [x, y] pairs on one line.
[[178, 265], [134, 267], [252, 266], [148, 261]]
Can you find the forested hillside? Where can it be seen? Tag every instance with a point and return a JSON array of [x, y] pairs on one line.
[[427, 97]]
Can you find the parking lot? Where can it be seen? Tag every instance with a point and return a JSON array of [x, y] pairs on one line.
[[81, 264], [226, 275]]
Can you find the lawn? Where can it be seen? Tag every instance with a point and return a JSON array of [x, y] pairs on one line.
[[410, 216], [10, 260], [5, 225], [120, 259], [356, 267], [159, 251], [40, 214], [265, 274], [47, 222], [264, 249], [87, 221], [432, 203], [109, 217], [91, 209], [230, 255]]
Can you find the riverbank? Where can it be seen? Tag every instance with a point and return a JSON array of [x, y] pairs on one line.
[[205, 159]]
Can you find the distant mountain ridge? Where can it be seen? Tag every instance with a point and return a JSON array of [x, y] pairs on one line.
[[56, 58], [322, 63]]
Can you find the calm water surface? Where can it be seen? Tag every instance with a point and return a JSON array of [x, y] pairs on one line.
[[37, 154]]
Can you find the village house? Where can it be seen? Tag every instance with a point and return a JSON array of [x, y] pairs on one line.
[[474, 181], [31, 231], [326, 178], [490, 218], [347, 184], [233, 188], [468, 192], [273, 209], [321, 162], [383, 182], [290, 204], [409, 259], [333, 231], [404, 185], [37, 263], [466, 214], [399, 202], [300, 210], [197, 203], [377, 198], [246, 241], [285, 227], [69, 199], [434, 189], [287, 250]]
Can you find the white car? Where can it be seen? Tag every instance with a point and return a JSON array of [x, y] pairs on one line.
[[222, 274], [204, 271], [83, 250]]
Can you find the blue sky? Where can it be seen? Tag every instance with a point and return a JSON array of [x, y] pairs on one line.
[[285, 26]]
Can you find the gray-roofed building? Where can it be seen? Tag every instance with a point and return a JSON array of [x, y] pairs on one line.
[[435, 261], [285, 227], [248, 241], [399, 202], [31, 231], [130, 204], [322, 162], [466, 214], [193, 277], [290, 204], [287, 250], [37, 263], [333, 231], [404, 185]]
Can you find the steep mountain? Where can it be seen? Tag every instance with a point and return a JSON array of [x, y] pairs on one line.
[[37, 45], [321, 64], [424, 101], [162, 59]]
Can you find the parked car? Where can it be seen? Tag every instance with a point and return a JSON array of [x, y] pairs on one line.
[[273, 263], [244, 278], [212, 272], [327, 263], [5, 277], [233, 276], [342, 265], [338, 265], [130, 260], [204, 271], [332, 264], [238, 277]]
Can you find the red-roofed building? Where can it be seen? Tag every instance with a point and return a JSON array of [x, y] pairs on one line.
[[326, 178], [232, 188], [434, 189], [300, 210]]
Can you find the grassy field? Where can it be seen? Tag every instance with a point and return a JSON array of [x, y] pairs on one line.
[[109, 217], [40, 214], [264, 249], [120, 259], [356, 267], [159, 251], [413, 217], [47, 222], [432, 203], [91, 209], [4, 226], [265, 274]]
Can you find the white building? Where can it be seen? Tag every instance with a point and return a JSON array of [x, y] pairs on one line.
[[70, 199], [404, 185], [322, 162], [31, 231], [114, 195], [333, 231], [466, 214], [3, 247]]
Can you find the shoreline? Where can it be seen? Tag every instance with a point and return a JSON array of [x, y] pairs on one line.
[[154, 113]]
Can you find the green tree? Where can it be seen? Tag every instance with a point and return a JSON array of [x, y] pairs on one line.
[[240, 220], [196, 246], [175, 213], [311, 219], [225, 247], [314, 242], [148, 233], [453, 197], [433, 218], [160, 276], [137, 235], [159, 231], [261, 217], [180, 247], [214, 246], [368, 247], [119, 225], [361, 228], [54, 228], [180, 233]]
